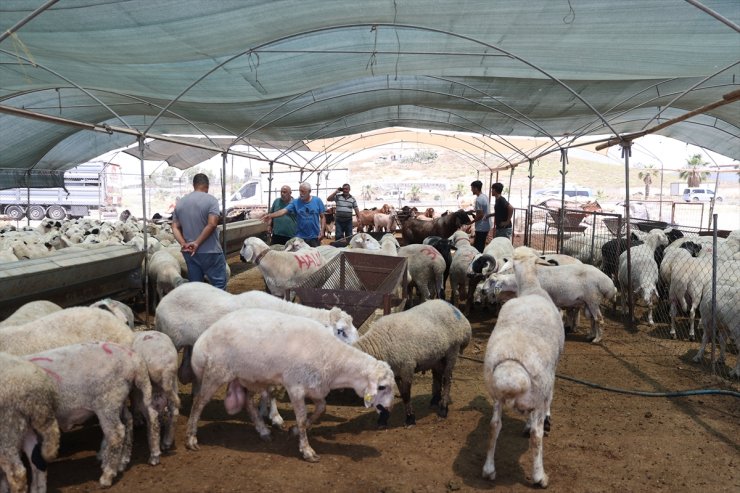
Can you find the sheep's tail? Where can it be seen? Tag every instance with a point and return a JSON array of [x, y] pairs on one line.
[[511, 379]]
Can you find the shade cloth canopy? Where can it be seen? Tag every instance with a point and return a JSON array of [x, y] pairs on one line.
[[293, 71]]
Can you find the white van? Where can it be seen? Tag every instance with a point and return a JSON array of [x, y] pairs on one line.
[[570, 192], [699, 194]]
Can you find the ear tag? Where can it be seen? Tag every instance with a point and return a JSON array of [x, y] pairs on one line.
[[368, 398]]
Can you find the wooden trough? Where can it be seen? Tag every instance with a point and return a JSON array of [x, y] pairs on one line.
[[361, 284], [69, 279]]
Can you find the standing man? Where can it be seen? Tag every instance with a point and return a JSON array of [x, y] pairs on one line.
[[194, 221], [309, 213], [345, 205], [282, 228], [482, 221], [502, 212]]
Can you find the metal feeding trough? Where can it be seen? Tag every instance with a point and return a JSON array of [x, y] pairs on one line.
[[359, 283]]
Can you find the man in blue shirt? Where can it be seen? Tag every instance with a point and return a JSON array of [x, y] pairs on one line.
[[309, 212], [194, 222]]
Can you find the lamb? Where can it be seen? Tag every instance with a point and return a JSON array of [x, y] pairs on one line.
[[570, 287], [164, 274], [29, 312], [68, 326], [644, 276], [520, 362], [426, 269], [160, 356], [28, 405], [464, 255], [727, 319], [95, 378], [282, 271], [280, 349], [426, 337]]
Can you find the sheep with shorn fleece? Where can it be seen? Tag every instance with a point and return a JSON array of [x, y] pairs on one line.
[[186, 312], [726, 318], [428, 336], [521, 358], [28, 425], [68, 326], [282, 271], [253, 349], [95, 379], [29, 312], [644, 275], [426, 270], [160, 356], [164, 274], [571, 287]]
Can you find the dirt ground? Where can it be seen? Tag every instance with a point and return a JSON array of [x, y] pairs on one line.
[[600, 440]]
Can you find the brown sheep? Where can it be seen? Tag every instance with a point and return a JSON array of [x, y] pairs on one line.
[[415, 230]]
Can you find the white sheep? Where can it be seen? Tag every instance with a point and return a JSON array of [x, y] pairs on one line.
[[464, 255], [252, 349], [160, 356], [426, 269], [687, 279], [644, 272], [428, 336], [28, 405], [29, 312], [727, 320], [117, 308], [520, 362], [571, 287], [95, 379], [580, 247], [68, 326], [165, 274], [282, 271]]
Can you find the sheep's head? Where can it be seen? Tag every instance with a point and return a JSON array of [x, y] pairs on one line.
[[379, 391], [251, 248], [342, 326]]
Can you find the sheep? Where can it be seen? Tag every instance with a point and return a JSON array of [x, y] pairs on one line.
[[677, 252], [385, 222], [279, 349], [96, 378], [570, 287], [444, 247], [727, 319], [428, 336], [581, 248], [687, 279], [68, 326], [117, 308], [28, 405], [165, 273], [464, 255], [363, 241], [160, 356], [426, 268], [520, 362], [29, 312], [645, 274], [414, 230], [282, 271]]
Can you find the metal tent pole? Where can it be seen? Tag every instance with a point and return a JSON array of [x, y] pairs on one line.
[[563, 172], [146, 240], [224, 158], [528, 227], [626, 153]]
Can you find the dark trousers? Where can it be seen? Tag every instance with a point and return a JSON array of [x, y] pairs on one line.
[[480, 240], [279, 239], [312, 242]]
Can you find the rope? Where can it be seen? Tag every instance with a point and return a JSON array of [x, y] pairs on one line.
[[680, 393]]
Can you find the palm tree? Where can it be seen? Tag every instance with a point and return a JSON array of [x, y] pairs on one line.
[[459, 190], [646, 175], [415, 191], [366, 192], [691, 173]]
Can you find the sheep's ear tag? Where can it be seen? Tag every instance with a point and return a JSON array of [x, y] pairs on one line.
[[369, 400]]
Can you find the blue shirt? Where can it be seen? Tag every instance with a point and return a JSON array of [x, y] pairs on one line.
[[307, 216]]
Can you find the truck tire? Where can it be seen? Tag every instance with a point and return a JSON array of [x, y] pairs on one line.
[[56, 212], [36, 213], [15, 212]]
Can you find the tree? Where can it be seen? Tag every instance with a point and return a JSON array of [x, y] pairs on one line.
[[366, 192], [646, 175], [414, 192], [459, 190], [692, 173]]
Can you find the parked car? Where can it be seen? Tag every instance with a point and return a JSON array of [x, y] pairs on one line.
[[700, 194], [571, 192]]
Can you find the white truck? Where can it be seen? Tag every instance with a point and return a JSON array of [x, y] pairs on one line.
[[258, 193], [90, 186]]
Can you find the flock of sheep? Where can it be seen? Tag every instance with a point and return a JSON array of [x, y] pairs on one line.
[[255, 342]]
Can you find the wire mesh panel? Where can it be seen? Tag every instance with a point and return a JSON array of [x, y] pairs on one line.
[[361, 284]]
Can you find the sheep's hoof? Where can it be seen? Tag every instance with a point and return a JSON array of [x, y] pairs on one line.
[[442, 411], [542, 483], [410, 420], [548, 422], [191, 443], [673, 336], [691, 337], [310, 456], [106, 480], [153, 460], [436, 398]]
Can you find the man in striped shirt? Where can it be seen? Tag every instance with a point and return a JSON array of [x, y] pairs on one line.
[[346, 203]]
